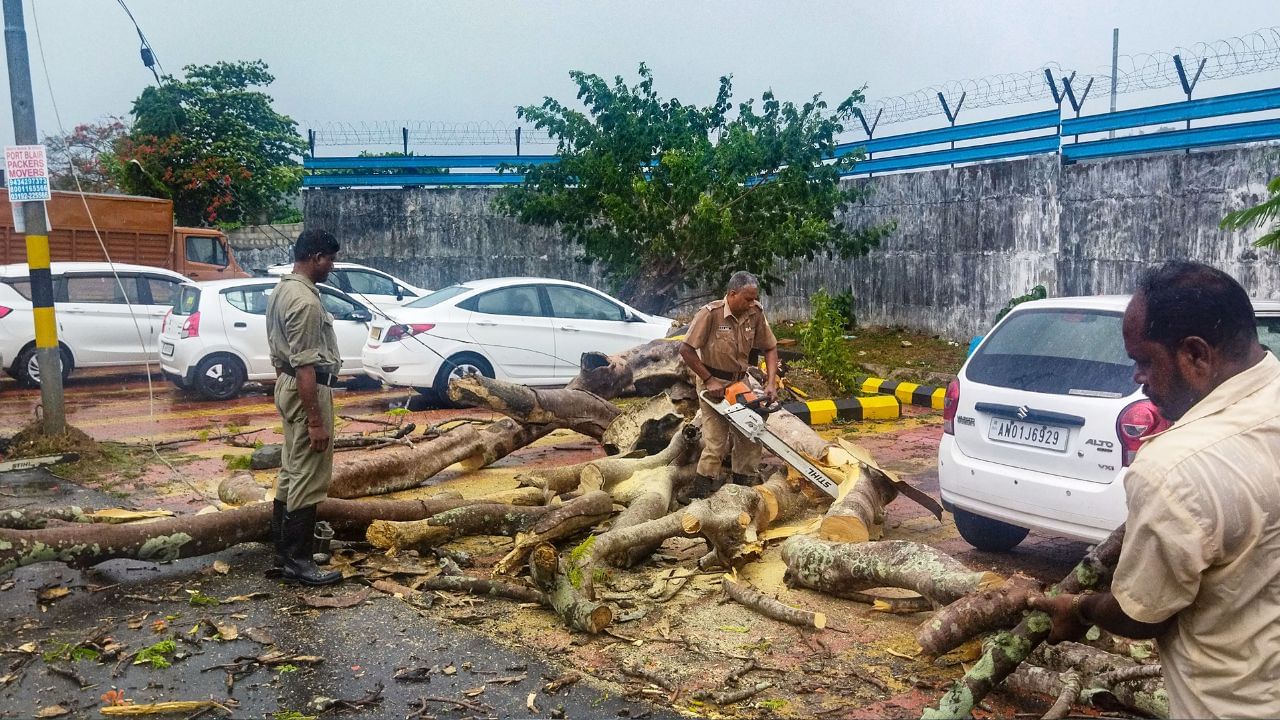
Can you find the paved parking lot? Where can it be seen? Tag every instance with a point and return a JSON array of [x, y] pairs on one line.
[[864, 671]]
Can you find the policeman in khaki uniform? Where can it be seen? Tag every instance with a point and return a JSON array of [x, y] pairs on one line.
[[304, 351], [717, 348]]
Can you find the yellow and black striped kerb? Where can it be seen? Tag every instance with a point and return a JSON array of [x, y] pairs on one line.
[[821, 412], [41, 291], [910, 393]]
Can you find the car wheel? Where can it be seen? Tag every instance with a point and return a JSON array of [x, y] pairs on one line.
[[456, 367], [26, 370], [219, 377], [987, 534]]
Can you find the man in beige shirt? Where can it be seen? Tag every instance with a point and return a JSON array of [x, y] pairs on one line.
[[1200, 566], [717, 348], [304, 351]]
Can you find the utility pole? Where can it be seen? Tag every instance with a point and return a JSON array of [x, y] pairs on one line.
[[1115, 67], [35, 226]]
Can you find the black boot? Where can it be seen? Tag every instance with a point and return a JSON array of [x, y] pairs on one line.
[[701, 486], [746, 480], [299, 543], [278, 551]]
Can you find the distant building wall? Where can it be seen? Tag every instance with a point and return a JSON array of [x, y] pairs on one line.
[[967, 239]]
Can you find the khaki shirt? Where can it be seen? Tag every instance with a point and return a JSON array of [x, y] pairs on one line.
[[724, 342], [1203, 543], [299, 329]]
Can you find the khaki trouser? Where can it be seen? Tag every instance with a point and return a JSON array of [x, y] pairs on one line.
[[304, 475], [718, 438]]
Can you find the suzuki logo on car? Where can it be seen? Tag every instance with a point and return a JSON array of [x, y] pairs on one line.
[[1101, 445], [1023, 412]]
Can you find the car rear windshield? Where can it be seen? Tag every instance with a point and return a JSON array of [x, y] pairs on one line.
[[438, 296], [1064, 352], [187, 300], [1269, 333]]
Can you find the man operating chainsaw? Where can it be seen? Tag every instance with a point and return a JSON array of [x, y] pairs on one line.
[[717, 349]]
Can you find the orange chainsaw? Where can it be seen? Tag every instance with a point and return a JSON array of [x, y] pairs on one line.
[[739, 393]]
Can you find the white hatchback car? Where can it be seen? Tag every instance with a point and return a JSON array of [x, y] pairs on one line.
[[1043, 419], [371, 287], [526, 330], [106, 317], [215, 337]]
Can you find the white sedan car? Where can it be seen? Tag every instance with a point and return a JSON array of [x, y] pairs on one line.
[[215, 337], [526, 330], [371, 287]]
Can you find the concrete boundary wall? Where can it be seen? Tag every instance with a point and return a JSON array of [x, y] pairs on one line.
[[967, 239]]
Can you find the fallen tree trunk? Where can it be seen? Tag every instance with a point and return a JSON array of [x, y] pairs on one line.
[[563, 521], [976, 614], [859, 515], [642, 370], [842, 568], [480, 519], [34, 518], [195, 535], [578, 410], [1009, 649], [647, 426], [607, 473], [548, 572], [401, 468]]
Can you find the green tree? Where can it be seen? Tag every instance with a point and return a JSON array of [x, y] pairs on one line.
[[1267, 211], [80, 154], [213, 144], [668, 196]]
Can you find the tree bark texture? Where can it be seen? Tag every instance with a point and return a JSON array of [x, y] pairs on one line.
[[608, 473], [977, 614], [34, 518], [480, 519], [1009, 649], [644, 370], [241, 489], [563, 521], [194, 535], [577, 410], [401, 468], [548, 572], [647, 426], [842, 568], [772, 607]]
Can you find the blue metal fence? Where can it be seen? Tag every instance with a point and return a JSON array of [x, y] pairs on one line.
[[991, 138]]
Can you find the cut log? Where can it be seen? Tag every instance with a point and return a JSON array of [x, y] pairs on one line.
[[577, 410], [647, 426], [195, 535], [771, 607], [480, 519], [858, 516], [606, 473], [548, 572], [501, 438], [644, 370], [241, 489], [842, 568], [977, 614], [1009, 649], [563, 521]]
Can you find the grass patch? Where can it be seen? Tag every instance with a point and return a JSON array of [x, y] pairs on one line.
[[157, 656]]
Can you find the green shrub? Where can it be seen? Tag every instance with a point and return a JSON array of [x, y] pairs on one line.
[[822, 341], [846, 306]]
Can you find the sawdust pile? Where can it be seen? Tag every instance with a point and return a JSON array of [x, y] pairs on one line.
[[31, 441]]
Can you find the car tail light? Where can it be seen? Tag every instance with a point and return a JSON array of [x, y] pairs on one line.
[[163, 323], [1139, 420], [950, 404], [191, 326], [4, 311], [396, 333]]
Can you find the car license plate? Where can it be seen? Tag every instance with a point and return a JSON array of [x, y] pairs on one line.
[[166, 349], [1049, 437], [375, 332]]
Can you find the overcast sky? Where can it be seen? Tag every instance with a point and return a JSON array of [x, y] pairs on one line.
[[401, 61]]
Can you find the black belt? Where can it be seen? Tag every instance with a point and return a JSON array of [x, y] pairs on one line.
[[322, 378], [725, 375]]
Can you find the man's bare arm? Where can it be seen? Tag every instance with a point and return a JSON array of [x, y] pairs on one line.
[[309, 394], [689, 354], [1103, 610]]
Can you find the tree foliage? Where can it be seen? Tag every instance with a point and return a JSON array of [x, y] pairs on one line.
[[669, 196], [81, 155], [1264, 213], [213, 144]]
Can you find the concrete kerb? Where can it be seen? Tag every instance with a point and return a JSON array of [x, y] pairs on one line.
[[927, 396]]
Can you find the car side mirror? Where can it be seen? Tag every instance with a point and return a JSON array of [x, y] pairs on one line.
[[360, 315], [399, 293], [632, 317]]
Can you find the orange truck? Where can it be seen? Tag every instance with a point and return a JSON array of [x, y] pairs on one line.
[[136, 230]]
